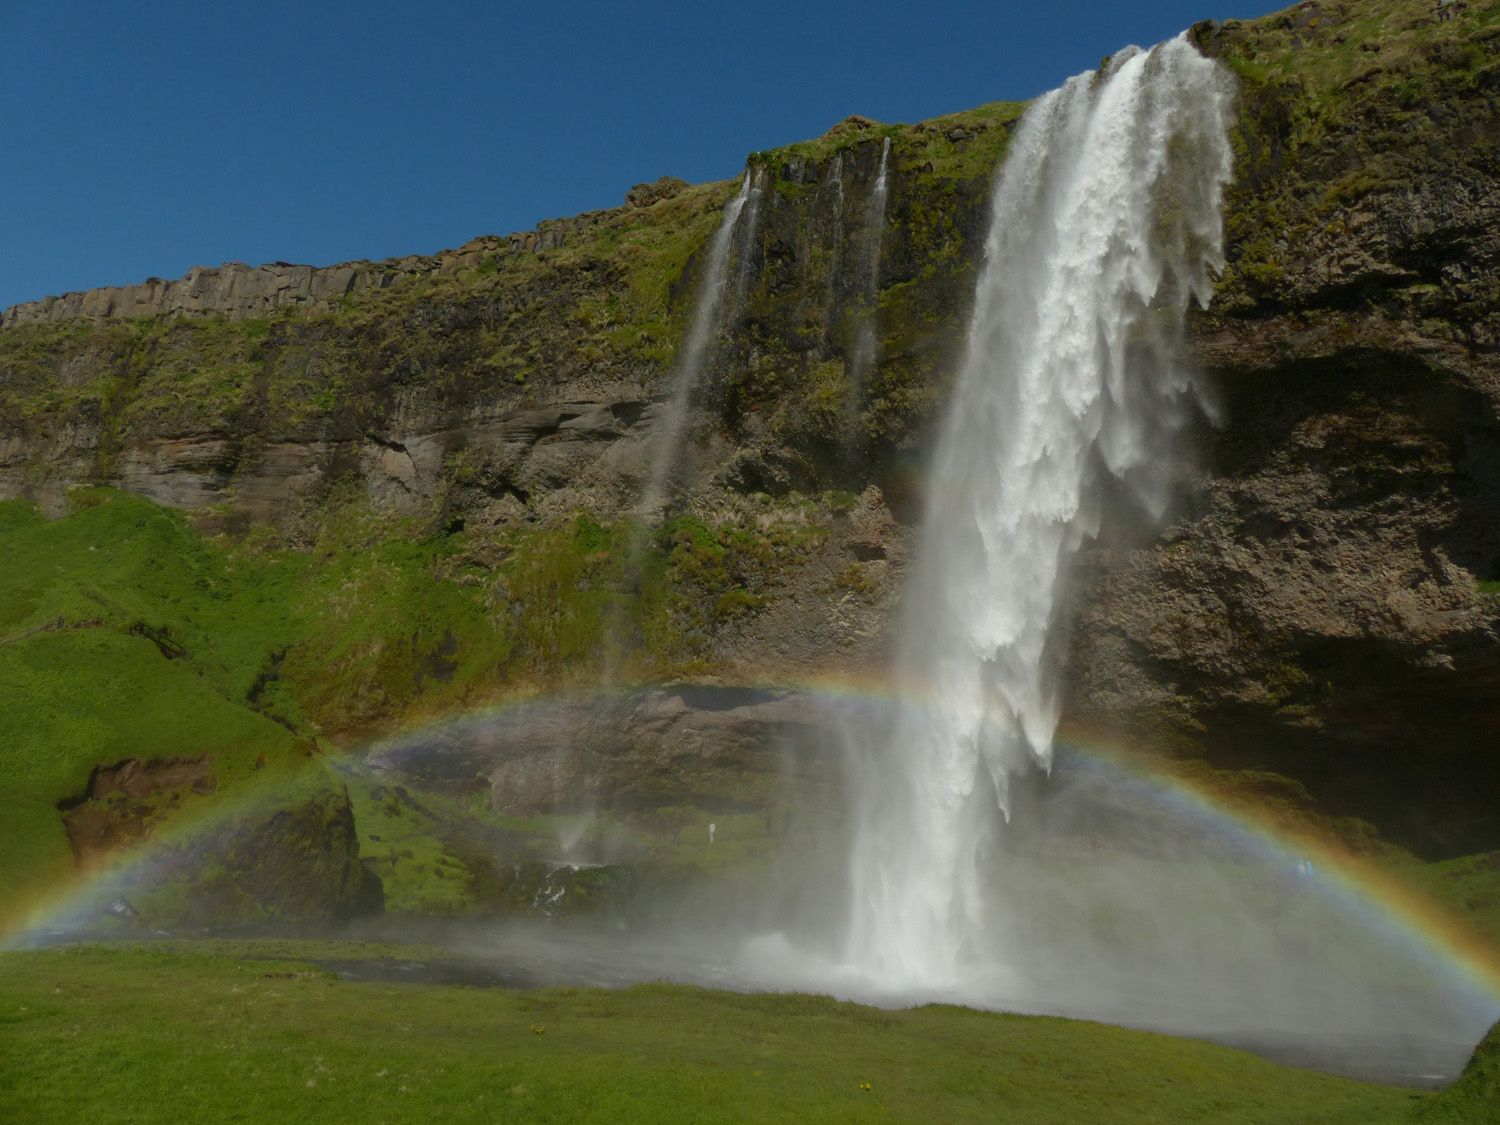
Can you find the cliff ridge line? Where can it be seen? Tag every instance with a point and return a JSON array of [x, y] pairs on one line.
[[242, 291]]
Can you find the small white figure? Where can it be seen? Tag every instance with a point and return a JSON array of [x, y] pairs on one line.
[[712, 828]]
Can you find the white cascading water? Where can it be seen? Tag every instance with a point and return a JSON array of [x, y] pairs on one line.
[[668, 434], [874, 234], [1106, 223], [756, 185], [713, 286], [835, 245]]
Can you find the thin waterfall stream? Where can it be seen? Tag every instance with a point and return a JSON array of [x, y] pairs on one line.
[[863, 357], [755, 188], [670, 432], [713, 287]]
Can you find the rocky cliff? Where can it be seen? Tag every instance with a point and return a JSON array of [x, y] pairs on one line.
[[1324, 606], [239, 292], [1322, 603]]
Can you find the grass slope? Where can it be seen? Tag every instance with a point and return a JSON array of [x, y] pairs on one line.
[[71, 702], [143, 1034], [1476, 1094], [92, 693], [374, 625]]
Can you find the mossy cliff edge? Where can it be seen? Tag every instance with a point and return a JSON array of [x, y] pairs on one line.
[[378, 493]]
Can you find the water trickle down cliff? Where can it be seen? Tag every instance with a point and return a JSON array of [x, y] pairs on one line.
[[697, 346], [835, 249], [863, 357], [719, 297], [745, 267]]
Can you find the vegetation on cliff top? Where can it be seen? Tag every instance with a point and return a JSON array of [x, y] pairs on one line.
[[1341, 104], [609, 304], [1333, 47]]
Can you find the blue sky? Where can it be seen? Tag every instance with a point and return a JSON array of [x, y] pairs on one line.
[[146, 138]]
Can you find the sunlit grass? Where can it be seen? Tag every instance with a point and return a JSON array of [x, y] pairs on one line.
[[149, 1034]]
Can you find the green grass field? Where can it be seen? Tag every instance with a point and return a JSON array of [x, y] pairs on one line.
[[222, 1032]]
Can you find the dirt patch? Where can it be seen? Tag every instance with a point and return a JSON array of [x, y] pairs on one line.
[[123, 802]]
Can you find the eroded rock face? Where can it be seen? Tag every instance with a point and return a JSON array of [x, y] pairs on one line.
[[239, 291], [288, 857], [713, 748], [234, 288], [136, 778], [1315, 612], [1319, 606], [644, 195]]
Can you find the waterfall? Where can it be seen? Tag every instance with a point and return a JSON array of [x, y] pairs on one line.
[[671, 430], [1105, 224], [863, 356], [835, 245], [697, 345], [751, 207]]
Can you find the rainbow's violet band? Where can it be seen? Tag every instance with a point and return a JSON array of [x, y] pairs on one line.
[[1366, 892]]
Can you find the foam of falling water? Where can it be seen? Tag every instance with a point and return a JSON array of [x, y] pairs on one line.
[[1106, 223], [863, 357], [712, 287]]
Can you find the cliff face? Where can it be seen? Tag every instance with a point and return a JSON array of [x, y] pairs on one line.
[[501, 374], [1322, 604], [1325, 604]]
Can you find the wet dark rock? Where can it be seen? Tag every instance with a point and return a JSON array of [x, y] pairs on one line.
[[713, 748], [1319, 604]]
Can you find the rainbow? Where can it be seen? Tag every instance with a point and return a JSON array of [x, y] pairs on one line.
[[1364, 888], [1371, 893], [55, 907]]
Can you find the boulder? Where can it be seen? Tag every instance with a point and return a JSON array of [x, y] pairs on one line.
[[644, 195]]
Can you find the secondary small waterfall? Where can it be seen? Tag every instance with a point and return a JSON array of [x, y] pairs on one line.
[[835, 246], [667, 438], [746, 268], [697, 345], [1105, 225], [863, 357]]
